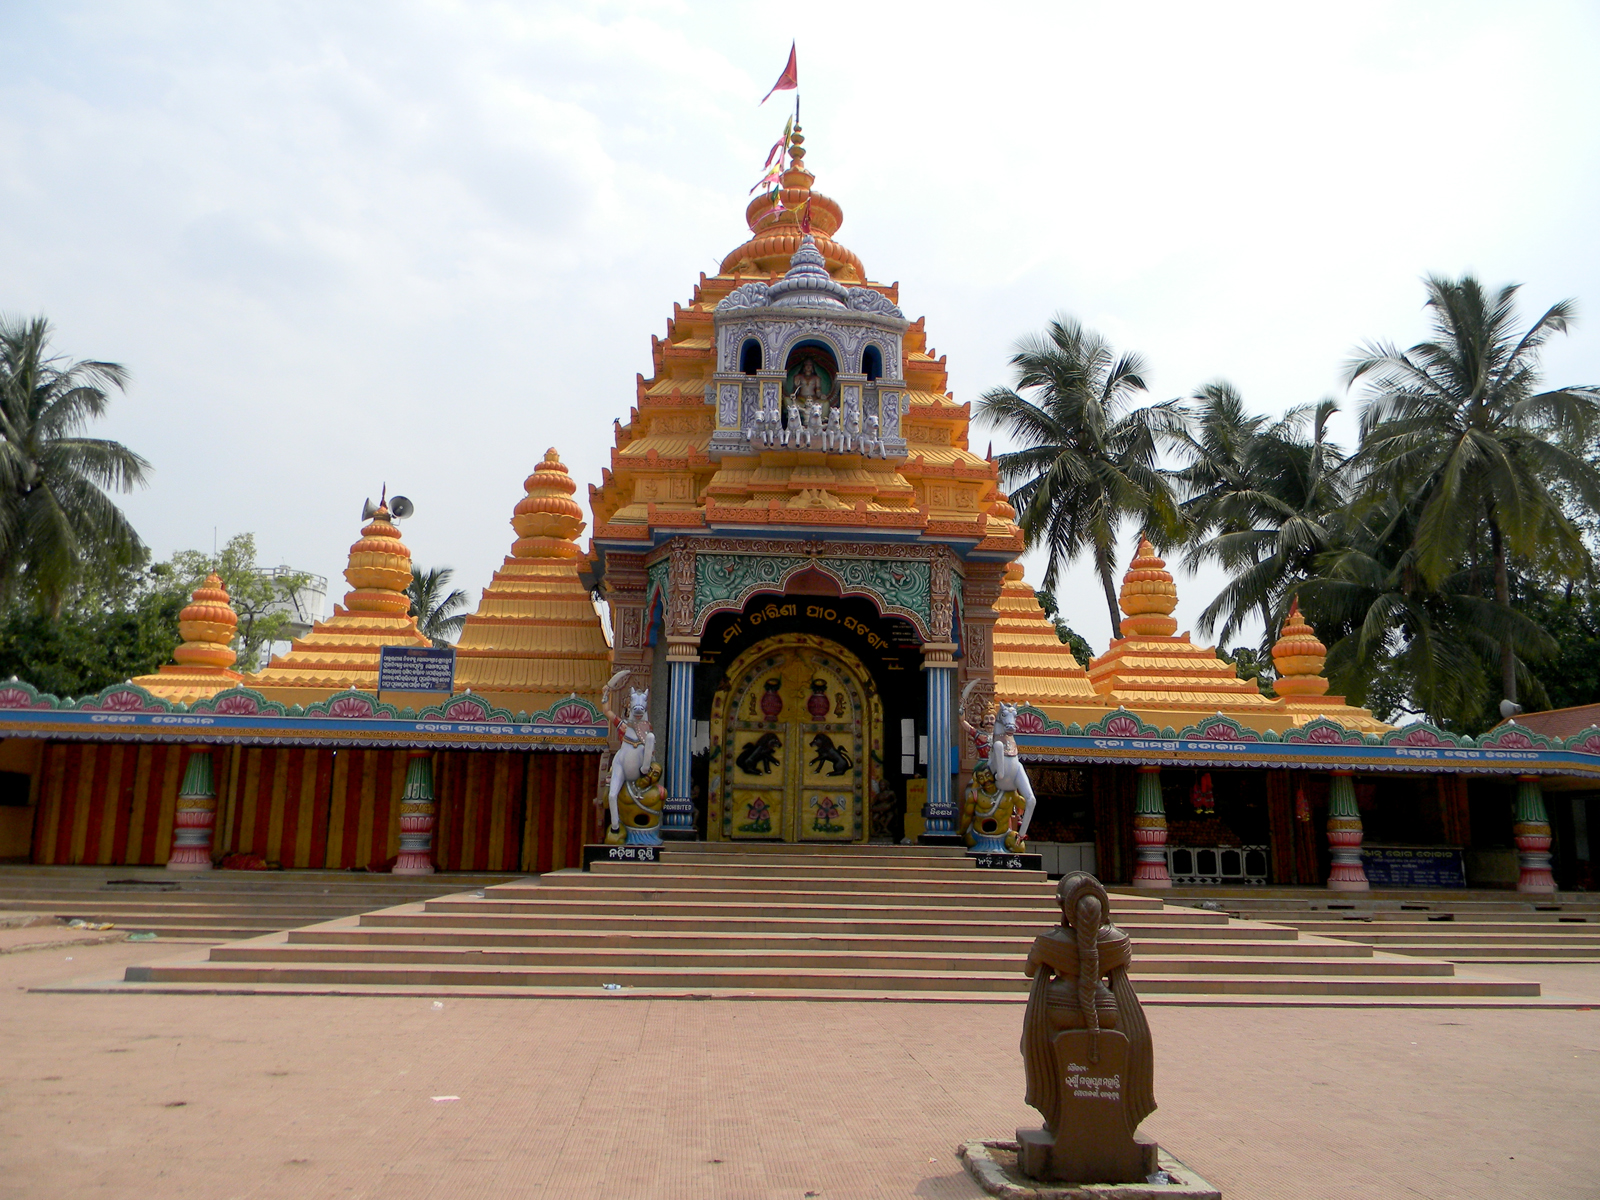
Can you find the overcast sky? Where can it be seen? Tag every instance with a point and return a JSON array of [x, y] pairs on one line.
[[344, 244]]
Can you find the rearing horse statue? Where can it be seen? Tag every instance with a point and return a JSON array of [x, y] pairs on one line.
[[638, 750], [1004, 761]]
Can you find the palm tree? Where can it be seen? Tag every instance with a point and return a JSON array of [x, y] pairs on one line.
[[435, 605], [1089, 458], [55, 516], [1403, 645], [1263, 501], [1457, 431]]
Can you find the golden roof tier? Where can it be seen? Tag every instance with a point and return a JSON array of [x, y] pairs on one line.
[[791, 394], [1153, 671], [199, 666], [342, 652], [536, 636], [1031, 663], [1299, 657]]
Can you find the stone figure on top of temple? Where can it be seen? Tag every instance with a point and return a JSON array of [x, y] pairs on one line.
[[796, 425], [1086, 1049], [635, 756]]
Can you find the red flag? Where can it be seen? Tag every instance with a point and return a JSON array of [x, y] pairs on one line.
[[805, 216], [789, 80]]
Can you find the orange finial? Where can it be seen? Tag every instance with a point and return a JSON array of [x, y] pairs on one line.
[[380, 568], [1299, 657], [547, 520], [1148, 595], [207, 627]]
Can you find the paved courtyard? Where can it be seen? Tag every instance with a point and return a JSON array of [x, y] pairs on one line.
[[405, 1098]]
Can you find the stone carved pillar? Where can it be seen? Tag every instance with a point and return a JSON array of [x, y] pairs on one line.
[[1150, 832], [1531, 830], [683, 652], [417, 814], [1344, 836], [980, 590], [938, 660], [196, 816]]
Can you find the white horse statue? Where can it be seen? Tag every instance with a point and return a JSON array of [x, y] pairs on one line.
[[1004, 761], [795, 427], [638, 750]]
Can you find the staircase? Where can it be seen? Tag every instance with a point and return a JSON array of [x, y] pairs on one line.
[[774, 921], [1456, 926], [211, 906]]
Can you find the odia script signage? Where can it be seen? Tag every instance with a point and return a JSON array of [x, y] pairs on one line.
[[416, 669]]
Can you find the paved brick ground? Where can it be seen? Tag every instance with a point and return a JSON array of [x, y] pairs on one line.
[[229, 1096]]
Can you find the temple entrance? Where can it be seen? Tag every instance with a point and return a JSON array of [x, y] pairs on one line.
[[795, 731]]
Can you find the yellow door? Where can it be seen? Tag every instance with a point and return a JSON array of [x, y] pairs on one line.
[[794, 732]]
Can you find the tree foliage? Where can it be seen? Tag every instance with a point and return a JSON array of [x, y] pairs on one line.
[[263, 599], [1088, 461], [438, 608], [56, 521]]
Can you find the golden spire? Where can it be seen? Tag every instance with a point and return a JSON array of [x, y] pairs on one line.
[[1148, 595], [379, 570], [207, 625], [200, 663], [1299, 657], [776, 231], [547, 520]]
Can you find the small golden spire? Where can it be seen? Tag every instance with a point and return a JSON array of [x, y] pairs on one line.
[[380, 569], [1299, 657], [1148, 595], [207, 626], [547, 520]]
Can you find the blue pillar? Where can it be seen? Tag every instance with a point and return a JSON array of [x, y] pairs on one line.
[[678, 819], [937, 661]]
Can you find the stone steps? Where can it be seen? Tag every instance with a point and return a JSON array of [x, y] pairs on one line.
[[998, 940], [777, 921]]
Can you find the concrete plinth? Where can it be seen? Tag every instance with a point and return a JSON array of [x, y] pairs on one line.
[[994, 1166]]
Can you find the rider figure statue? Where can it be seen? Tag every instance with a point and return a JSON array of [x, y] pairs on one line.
[[638, 750]]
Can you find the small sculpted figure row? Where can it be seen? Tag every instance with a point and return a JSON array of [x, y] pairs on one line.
[[837, 431]]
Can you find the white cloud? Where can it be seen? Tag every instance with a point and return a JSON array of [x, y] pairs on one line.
[[342, 245]]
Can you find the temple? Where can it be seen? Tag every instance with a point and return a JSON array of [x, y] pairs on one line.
[[808, 568]]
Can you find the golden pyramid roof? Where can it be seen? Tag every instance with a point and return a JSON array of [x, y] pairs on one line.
[[662, 478], [1299, 657], [342, 652], [199, 666], [536, 636], [1032, 665], [1152, 670]]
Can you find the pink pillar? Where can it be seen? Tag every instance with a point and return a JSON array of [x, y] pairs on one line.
[[1531, 831], [417, 812], [196, 815], [1150, 832], [1344, 836]]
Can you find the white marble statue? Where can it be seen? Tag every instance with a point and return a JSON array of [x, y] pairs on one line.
[[852, 430], [816, 431], [1003, 759], [871, 443]]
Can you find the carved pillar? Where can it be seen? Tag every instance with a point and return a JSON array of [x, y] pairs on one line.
[[626, 587], [1531, 830], [1150, 832], [980, 590], [683, 652], [417, 814], [938, 660], [196, 815], [1344, 836]]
